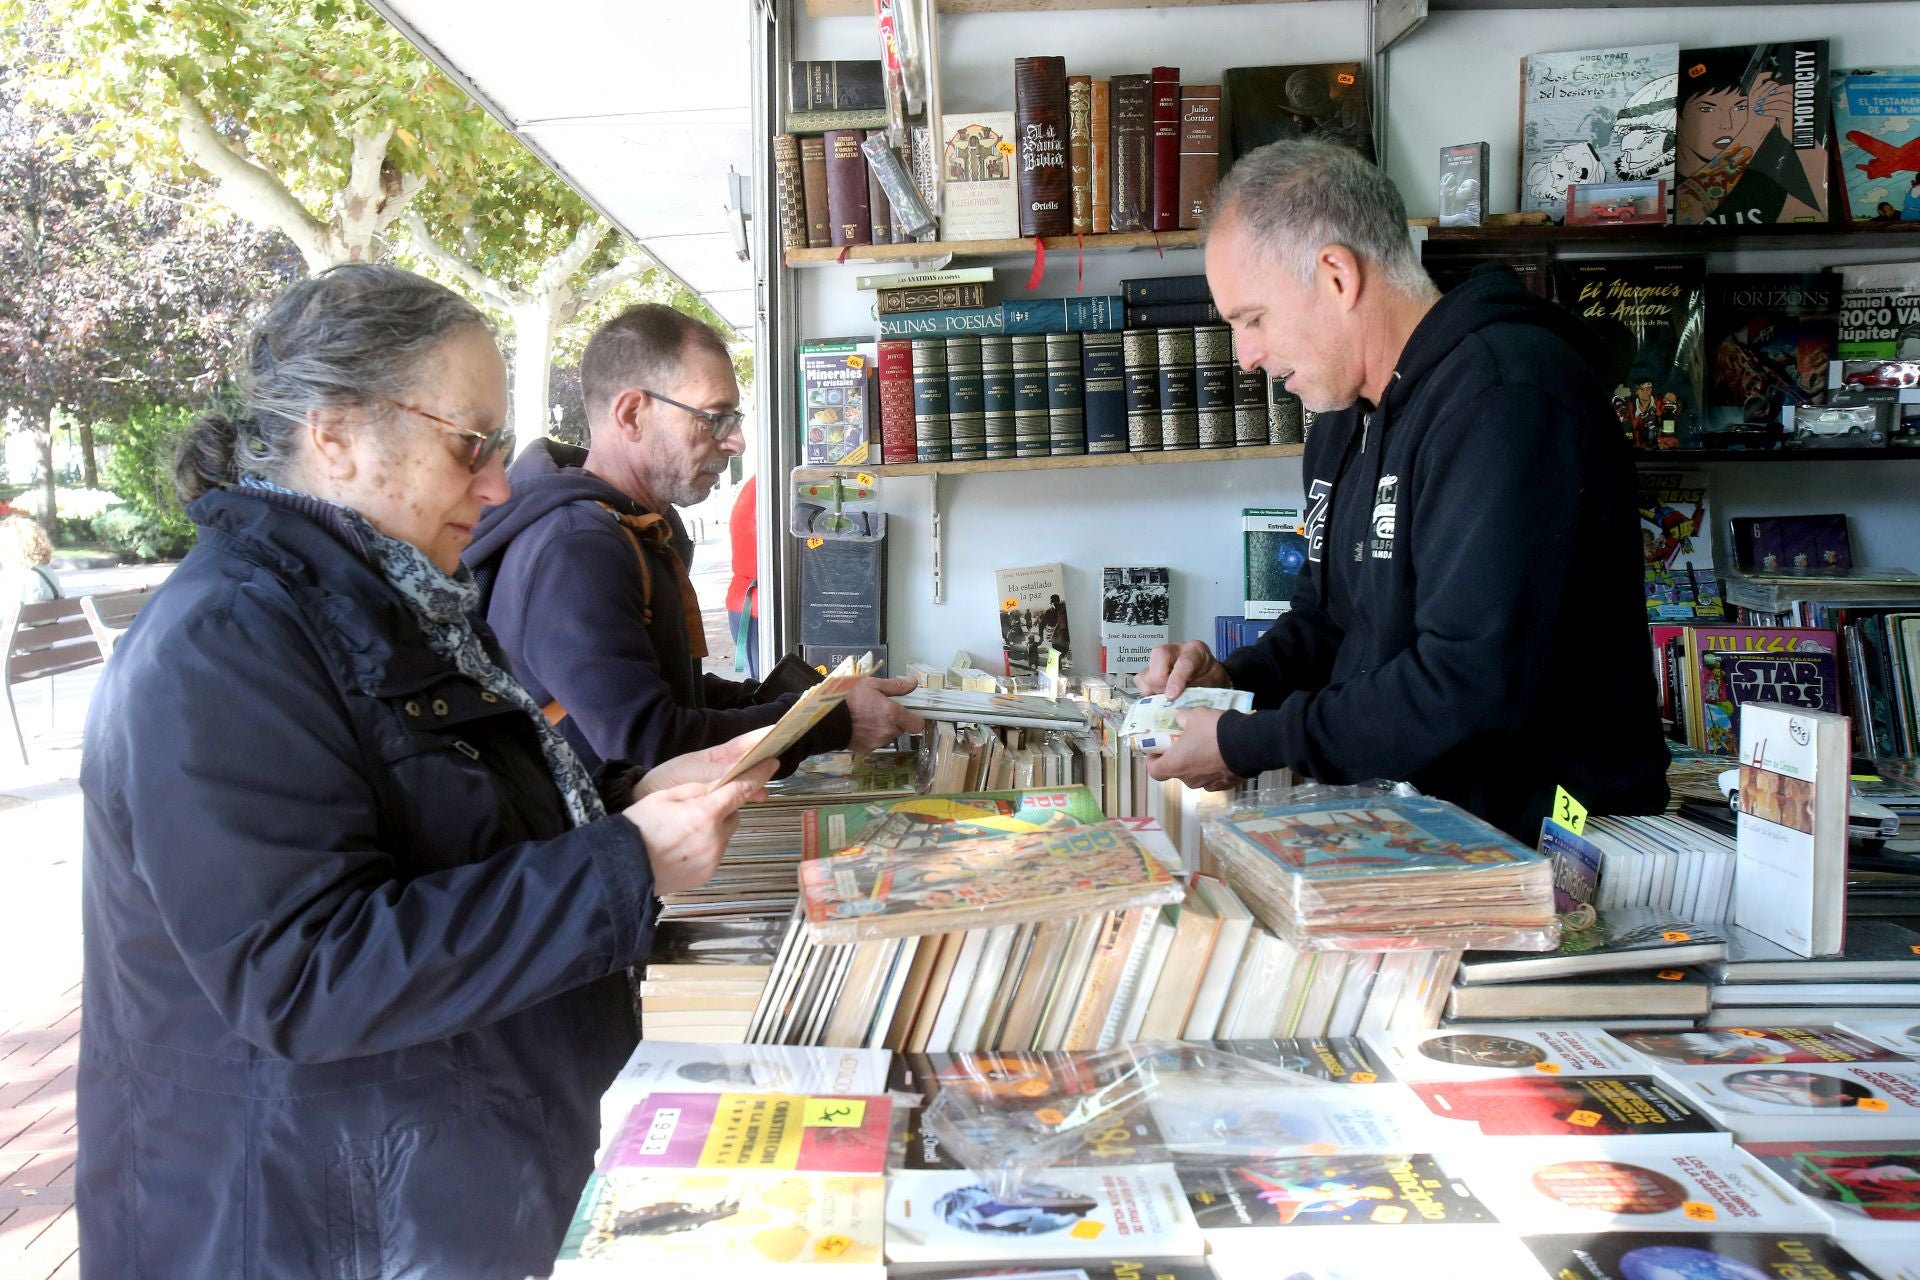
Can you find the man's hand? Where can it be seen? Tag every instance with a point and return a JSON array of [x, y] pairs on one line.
[[687, 827], [1194, 757], [877, 718], [698, 766], [1174, 668]]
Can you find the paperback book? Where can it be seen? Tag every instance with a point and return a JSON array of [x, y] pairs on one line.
[[1791, 832], [1754, 134], [759, 1131], [1809, 1102], [1058, 1215], [1753, 1046], [1635, 1108], [1621, 939], [925, 822], [1275, 550], [834, 396], [1603, 1186], [1460, 1053], [1719, 1255], [1595, 115], [1876, 130], [982, 200], [1865, 1189], [717, 1068], [1135, 611], [1240, 1206], [1033, 618]]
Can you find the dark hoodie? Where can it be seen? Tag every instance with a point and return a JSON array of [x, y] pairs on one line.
[[1471, 616], [562, 592]]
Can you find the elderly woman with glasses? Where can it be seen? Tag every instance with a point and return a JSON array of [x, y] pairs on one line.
[[357, 919]]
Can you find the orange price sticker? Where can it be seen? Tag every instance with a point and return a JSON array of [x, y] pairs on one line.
[[1363, 1077], [1010, 604], [833, 1246], [1031, 1088], [1389, 1213], [1699, 1211], [1005, 148], [856, 362], [1049, 1116], [1676, 935], [1585, 1119], [1749, 1032], [1671, 975], [1873, 1104], [1915, 950], [1087, 1230], [1547, 1068]]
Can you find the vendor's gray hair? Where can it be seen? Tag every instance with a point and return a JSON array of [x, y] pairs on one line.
[[342, 338], [1296, 197]]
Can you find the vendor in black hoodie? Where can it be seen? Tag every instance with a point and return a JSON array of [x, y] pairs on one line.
[[560, 579], [1470, 618]]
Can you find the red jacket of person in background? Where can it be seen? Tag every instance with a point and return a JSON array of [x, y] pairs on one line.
[[745, 549]]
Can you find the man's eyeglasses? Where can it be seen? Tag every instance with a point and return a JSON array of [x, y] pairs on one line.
[[719, 425], [481, 446]]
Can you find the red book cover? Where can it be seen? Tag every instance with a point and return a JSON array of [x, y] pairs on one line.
[[1166, 149], [1570, 1107], [896, 401]]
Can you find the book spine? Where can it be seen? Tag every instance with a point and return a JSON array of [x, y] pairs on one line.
[[1179, 415], [921, 159], [1157, 314], [879, 208], [827, 121], [1103, 370], [1213, 385], [1040, 121], [1140, 359], [813, 177], [822, 85], [1066, 396], [1199, 152], [790, 192], [895, 375], [1165, 206], [850, 221], [1153, 291], [1030, 430], [940, 297], [921, 324], [966, 407], [1132, 152], [932, 427], [1286, 421], [923, 279], [1100, 159], [996, 393], [1080, 150], [1249, 408], [1062, 315]]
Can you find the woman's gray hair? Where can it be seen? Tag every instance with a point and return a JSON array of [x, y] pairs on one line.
[[1296, 197], [344, 337]]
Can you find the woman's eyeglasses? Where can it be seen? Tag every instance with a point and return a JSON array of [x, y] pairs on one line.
[[482, 444], [719, 425]]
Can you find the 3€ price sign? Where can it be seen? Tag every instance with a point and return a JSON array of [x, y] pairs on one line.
[[1568, 812]]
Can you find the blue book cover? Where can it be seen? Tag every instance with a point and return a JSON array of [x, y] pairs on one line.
[[929, 324], [1106, 392], [1876, 121], [1158, 289], [1576, 865], [1373, 836], [1062, 315]]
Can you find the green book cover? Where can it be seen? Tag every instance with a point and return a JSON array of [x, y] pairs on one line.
[[912, 822]]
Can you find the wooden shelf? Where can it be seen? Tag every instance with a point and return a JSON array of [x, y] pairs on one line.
[[1115, 241], [1687, 457], [1798, 235], [1079, 460]]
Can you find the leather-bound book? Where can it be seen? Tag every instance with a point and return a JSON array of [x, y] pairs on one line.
[[966, 405], [1166, 150], [879, 208], [1179, 410], [932, 422], [813, 175], [1066, 396], [1132, 152], [821, 85], [1140, 364], [1249, 408], [1199, 152], [1100, 139], [1040, 121], [1101, 361], [895, 375], [996, 385], [849, 219], [1030, 431], [790, 192], [1080, 150], [1213, 384]]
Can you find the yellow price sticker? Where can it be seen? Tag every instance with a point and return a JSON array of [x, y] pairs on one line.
[[1749, 1032], [863, 478], [1547, 1068], [833, 1246], [1005, 148], [1568, 812], [1049, 1116], [1389, 1213], [1031, 1088], [1585, 1119], [1363, 1077], [856, 362], [833, 1113], [1671, 975], [1915, 949], [1010, 604], [814, 544], [1699, 1211], [1873, 1104], [1676, 935], [1087, 1230]]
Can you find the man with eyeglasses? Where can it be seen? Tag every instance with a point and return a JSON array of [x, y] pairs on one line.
[[584, 569]]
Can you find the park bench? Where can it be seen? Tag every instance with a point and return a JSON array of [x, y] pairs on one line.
[[43, 640]]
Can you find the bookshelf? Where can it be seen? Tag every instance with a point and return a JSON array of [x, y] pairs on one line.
[[1111, 242], [1083, 461]]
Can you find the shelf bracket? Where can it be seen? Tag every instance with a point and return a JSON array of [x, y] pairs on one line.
[[939, 540]]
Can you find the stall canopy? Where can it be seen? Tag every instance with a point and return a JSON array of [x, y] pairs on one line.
[[641, 105]]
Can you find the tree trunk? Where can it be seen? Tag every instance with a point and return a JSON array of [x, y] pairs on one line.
[[90, 469], [532, 350], [42, 427]]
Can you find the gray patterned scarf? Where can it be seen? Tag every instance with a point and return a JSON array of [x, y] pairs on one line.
[[443, 606]]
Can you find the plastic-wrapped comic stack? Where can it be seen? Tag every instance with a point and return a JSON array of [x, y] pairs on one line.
[[1364, 871]]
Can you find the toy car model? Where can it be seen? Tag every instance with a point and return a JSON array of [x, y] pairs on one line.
[[1613, 210]]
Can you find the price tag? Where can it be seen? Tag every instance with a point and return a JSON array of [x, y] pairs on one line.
[[1873, 1104], [814, 544], [1699, 1211], [865, 480], [833, 1246], [1049, 1116], [1010, 604], [1676, 935], [1585, 1119], [1363, 1077], [1671, 975], [833, 1113], [1547, 1068], [1749, 1032], [1915, 949], [856, 362], [1031, 1088], [1320, 1148], [1087, 1230], [1568, 812], [1389, 1213]]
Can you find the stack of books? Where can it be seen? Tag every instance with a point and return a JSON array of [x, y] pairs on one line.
[[1877, 974]]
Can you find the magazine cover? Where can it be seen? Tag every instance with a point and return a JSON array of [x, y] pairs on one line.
[[1770, 338], [1732, 666], [1648, 314], [1634, 1106], [1060, 1214], [1595, 115], [1876, 127], [1754, 133], [1387, 835], [1865, 1188], [1033, 618], [1676, 540], [1313, 1191], [839, 416], [874, 892], [1602, 1186], [921, 822], [1459, 1054], [1753, 1046], [814, 1134], [1722, 1255]]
